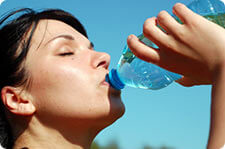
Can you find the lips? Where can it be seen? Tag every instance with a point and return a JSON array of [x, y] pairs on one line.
[[105, 83], [104, 80], [113, 92]]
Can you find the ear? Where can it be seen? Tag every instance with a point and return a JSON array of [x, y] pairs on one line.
[[16, 101]]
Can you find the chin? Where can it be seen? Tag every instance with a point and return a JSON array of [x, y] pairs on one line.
[[114, 93], [112, 117], [117, 108]]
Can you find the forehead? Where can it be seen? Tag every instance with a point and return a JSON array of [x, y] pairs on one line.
[[48, 29]]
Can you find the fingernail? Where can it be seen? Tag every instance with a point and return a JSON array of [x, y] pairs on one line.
[[129, 37]]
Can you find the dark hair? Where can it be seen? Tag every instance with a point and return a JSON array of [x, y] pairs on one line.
[[15, 40]]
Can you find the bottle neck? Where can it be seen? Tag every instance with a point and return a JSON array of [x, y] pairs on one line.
[[114, 80]]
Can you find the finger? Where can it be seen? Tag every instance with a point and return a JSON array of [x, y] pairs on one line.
[[154, 33], [168, 23], [141, 50], [183, 13], [186, 81]]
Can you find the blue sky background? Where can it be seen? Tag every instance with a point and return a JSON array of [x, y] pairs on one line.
[[175, 116]]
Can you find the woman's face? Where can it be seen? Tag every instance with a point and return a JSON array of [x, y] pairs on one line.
[[68, 78]]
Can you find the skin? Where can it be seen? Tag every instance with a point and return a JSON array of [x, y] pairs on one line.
[[198, 43], [68, 101]]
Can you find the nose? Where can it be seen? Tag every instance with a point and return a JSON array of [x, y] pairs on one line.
[[101, 60]]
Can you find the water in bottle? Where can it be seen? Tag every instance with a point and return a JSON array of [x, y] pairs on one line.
[[132, 71]]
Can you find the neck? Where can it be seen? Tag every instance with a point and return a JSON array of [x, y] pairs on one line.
[[37, 136]]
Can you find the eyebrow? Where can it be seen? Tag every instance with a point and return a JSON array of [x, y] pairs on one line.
[[68, 37]]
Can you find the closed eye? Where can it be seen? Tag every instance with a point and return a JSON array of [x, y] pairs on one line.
[[66, 54]]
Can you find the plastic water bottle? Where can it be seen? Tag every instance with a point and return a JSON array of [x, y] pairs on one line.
[[134, 72]]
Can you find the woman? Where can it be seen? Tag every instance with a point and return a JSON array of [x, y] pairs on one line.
[[53, 89]]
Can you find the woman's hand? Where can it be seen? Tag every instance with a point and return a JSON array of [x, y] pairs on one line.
[[195, 49]]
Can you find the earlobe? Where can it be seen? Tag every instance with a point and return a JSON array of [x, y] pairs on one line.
[[16, 102]]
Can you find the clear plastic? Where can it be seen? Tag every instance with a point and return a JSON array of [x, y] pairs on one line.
[[133, 72]]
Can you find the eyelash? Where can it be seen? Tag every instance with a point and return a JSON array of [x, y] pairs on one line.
[[66, 54]]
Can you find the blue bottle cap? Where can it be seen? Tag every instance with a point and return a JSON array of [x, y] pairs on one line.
[[114, 80]]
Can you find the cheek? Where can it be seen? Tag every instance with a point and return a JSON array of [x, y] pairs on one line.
[[65, 90], [71, 92]]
